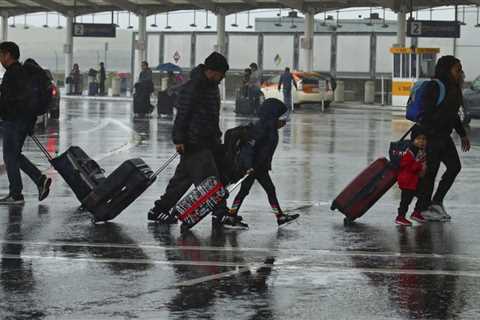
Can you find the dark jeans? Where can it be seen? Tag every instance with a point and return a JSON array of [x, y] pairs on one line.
[[406, 199], [440, 150], [14, 135], [194, 167], [267, 184], [101, 87]]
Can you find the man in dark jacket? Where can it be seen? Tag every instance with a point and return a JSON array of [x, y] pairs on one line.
[[197, 137], [439, 122], [18, 122], [256, 156], [102, 78]]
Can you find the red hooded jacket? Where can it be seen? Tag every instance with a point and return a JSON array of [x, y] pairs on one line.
[[410, 167]]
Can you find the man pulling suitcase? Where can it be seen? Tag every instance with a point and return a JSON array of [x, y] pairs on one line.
[[197, 137], [19, 119]]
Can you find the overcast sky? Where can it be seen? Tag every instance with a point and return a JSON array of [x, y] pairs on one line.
[[181, 20]]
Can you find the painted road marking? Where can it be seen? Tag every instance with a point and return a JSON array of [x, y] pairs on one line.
[[308, 252], [242, 266]]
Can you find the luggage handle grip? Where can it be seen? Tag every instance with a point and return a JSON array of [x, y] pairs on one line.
[[164, 166], [41, 147]]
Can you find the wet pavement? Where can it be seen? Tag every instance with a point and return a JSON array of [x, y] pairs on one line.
[[55, 264]]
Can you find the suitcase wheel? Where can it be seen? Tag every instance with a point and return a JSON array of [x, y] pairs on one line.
[[184, 228], [333, 207], [348, 221]]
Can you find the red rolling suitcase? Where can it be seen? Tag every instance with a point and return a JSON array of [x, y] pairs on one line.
[[366, 189]]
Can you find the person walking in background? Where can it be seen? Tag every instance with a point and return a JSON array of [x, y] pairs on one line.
[[102, 78], [412, 169], [76, 79], [286, 80], [254, 86], [18, 122], [439, 122]]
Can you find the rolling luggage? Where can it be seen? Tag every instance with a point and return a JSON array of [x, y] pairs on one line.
[[121, 188], [141, 103], [365, 190], [202, 200], [93, 89], [79, 171], [165, 103], [104, 197], [243, 106]]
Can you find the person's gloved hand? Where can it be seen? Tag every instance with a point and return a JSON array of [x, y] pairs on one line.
[[466, 144], [180, 148]]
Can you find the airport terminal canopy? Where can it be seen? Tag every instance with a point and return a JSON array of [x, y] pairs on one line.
[[150, 7]]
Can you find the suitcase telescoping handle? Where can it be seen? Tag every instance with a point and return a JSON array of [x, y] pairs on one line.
[[164, 166], [41, 147], [238, 183], [407, 133]]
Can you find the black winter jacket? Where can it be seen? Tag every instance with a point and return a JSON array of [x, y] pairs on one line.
[[15, 94], [439, 121], [258, 152], [198, 112]]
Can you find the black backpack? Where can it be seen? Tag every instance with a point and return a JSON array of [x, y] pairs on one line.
[[234, 139], [40, 86]]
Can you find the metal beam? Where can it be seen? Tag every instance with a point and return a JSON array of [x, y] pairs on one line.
[[293, 4], [51, 5], [124, 5], [204, 4]]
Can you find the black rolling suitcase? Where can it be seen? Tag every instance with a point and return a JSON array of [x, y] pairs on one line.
[[121, 188], [79, 171], [243, 105], [165, 103]]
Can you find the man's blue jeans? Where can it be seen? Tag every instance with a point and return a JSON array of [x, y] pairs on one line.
[[14, 135], [287, 99]]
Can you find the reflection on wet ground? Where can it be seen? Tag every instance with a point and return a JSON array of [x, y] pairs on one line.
[[55, 264]]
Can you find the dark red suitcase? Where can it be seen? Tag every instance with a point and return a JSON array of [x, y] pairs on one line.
[[366, 189]]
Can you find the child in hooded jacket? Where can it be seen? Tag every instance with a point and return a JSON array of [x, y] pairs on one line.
[[412, 170], [256, 156]]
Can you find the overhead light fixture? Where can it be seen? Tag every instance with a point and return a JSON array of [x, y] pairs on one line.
[[249, 26], [369, 22], [154, 24], [59, 26], [279, 15], [46, 20], [235, 24], [384, 25], [194, 24], [129, 21], [25, 25], [478, 18], [338, 20], [207, 26], [324, 22], [168, 26], [463, 23]]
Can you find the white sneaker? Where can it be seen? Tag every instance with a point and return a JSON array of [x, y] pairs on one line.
[[432, 215], [441, 211]]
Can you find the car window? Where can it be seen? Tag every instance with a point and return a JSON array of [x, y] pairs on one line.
[[476, 84]]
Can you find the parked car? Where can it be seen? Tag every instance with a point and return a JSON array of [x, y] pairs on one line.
[[471, 102], [313, 87]]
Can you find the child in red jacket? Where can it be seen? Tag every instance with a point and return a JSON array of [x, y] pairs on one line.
[[412, 170]]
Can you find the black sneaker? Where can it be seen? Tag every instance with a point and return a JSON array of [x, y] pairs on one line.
[[284, 219], [44, 187], [12, 200], [216, 223], [161, 217], [234, 223]]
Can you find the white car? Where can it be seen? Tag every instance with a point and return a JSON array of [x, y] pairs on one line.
[[313, 87]]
